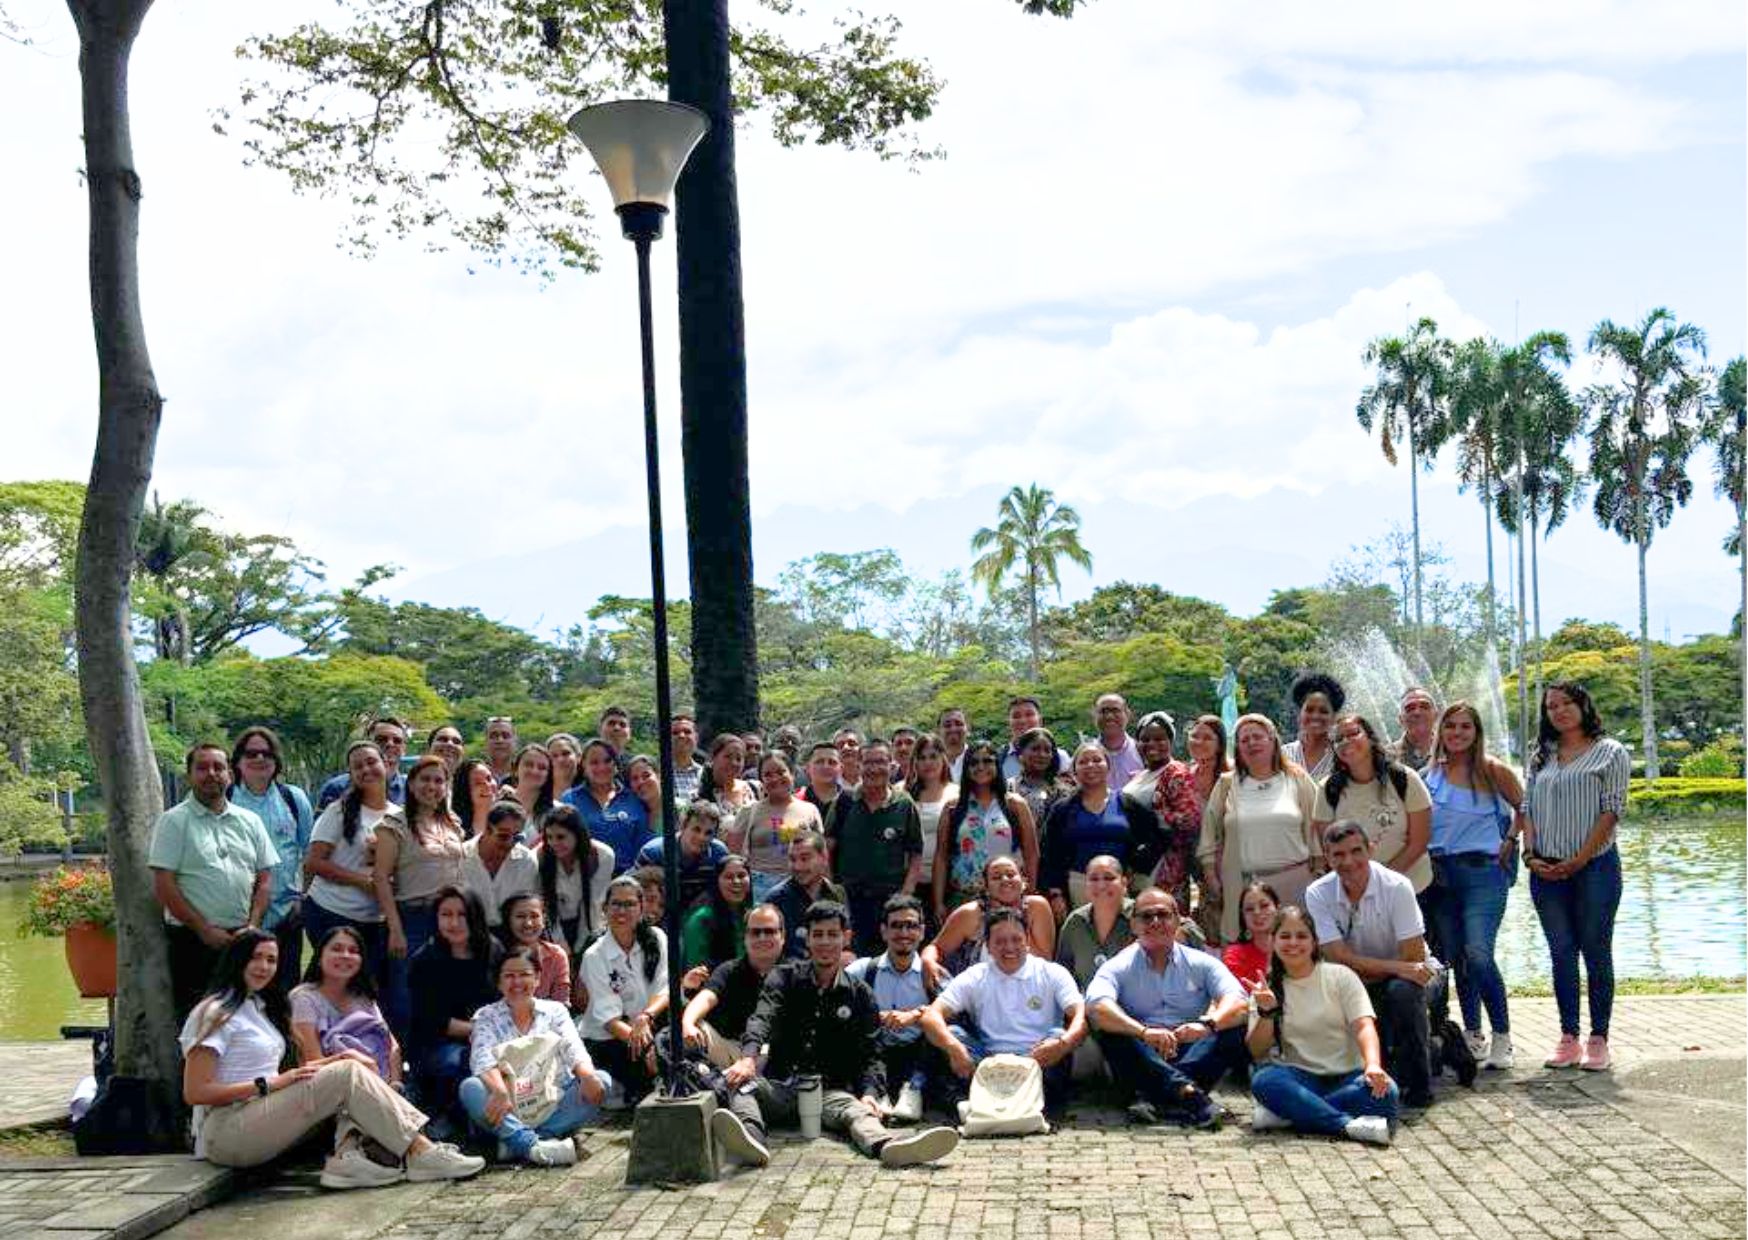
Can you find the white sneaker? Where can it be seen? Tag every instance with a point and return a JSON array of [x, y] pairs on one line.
[[929, 1145], [554, 1152], [351, 1168], [1264, 1120], [1372, 1129], [443, 1162], [909, 1107], [964, 1109], [1499, 1054], [737, 1140], [1477, 1042]]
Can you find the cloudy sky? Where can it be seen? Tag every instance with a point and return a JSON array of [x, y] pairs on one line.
[[1142, 277]]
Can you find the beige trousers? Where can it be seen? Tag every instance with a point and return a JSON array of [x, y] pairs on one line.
[[246, 1134], [720, 1052]]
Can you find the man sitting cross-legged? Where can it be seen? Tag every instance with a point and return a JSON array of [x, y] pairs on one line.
[[902, 991], [813, 1019], [1170, 1019], [1018, 1003]]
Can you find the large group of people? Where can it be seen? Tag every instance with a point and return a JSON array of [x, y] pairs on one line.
[[867, 923]]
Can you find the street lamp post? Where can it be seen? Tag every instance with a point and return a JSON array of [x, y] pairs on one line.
[[640, 146]]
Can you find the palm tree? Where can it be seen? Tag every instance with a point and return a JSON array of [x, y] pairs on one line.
[[1646, 425], [171, 538], [1726, 433], [1034, 533], [1407, 400], [1476, 407], [1541, 421]]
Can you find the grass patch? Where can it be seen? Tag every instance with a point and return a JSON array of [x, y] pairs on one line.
[[53, 1139], [1630, 987]]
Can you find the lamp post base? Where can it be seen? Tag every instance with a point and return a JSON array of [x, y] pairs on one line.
[[670, 1141]]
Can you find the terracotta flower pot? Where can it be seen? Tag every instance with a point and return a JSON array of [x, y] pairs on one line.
[[91, 958]]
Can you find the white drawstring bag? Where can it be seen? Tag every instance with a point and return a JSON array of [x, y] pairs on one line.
[[1007, 1098]]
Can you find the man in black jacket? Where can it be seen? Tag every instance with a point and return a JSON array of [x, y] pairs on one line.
[[813, 1020]]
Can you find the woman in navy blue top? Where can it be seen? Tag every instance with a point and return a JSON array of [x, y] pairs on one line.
[[614, 814], [1095, 821]]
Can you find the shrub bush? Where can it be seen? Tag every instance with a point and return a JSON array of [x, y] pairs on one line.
[[1722, 759], [1686, 798]]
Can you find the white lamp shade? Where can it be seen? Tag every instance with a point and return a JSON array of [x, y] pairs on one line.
[[640, 145]]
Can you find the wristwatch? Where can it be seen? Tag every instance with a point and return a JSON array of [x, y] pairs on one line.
[[261, 1086]]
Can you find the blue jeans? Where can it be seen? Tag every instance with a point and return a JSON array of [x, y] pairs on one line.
[[1469, 905], [1162, 1081], [418, 923], [1315, 1103], [1578, 917], [573, 1112], [437, 1071]]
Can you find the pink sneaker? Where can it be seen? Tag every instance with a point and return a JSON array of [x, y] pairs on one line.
[[1595, 1055], [1567, 1053]]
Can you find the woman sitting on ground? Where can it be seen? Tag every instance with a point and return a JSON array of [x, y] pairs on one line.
[[625, 973], [506, 1034], [714, 929], [1248, 957], [334, 1009], [1314, 1038], [960, 943], [451, 979], [248, 1110], [523, 924]]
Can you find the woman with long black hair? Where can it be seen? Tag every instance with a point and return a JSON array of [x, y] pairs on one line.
[[625, 973], [417, 855], [1576, 795], [248, 1108], [340, 862], [984, 820], [715, 927], [575, 869], [451, 980], [473, 794]]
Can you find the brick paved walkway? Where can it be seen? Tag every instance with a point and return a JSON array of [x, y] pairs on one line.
[[37, 1078]]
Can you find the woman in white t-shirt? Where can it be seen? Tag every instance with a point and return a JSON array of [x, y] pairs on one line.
[[341, 862], [1386, 798], [931, 786], [248, 1110], [1315, 1040], [1258, 824], [575, 869]]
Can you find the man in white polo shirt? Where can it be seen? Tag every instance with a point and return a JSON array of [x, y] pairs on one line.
[[1368, 919], [1021, 1005], [496, 865]]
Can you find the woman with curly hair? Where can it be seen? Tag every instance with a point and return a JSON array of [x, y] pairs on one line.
[[1318, 698]]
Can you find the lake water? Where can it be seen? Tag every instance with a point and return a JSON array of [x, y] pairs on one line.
[[1683, 913]]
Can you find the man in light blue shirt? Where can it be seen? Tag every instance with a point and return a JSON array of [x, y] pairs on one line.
[[1170, 1019], [901, 993]]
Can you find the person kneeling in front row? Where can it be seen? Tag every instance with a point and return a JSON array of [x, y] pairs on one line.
[[1315, 1041], [818, 1021], [518, 1036], [1168, 1017], [247, 1111]]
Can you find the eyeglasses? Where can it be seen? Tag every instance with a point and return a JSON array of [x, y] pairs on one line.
[[256, 753], [1153, 914], [625, 905], [904, 925]]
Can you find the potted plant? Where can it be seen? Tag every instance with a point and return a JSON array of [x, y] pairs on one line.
[[79, 904]]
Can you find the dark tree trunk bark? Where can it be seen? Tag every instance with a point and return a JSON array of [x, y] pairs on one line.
[[713, 378], [129, 409]]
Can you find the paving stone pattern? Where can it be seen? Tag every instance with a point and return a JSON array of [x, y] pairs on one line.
[[1529, 1154]]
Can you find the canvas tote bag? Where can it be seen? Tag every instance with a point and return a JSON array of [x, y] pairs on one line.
[[1007, 1098]]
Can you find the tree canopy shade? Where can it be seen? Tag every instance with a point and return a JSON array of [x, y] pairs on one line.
[[1033, 535], [1646, 424]]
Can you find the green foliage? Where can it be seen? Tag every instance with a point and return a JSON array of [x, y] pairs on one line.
[[1123, 609], [1722, 759], [28, 814], [66, 898], [1029, 540], [1686, 798]]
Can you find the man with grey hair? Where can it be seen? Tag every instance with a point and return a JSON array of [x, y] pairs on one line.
[[1368, 919]]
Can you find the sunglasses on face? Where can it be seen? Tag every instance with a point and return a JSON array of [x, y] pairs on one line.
[[1153, 914], [904, 925], [763, 932], [257, 753]]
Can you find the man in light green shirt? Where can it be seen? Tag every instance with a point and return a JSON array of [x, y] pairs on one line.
[[212, 866]]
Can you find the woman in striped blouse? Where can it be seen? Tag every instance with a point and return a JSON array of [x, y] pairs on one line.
[[1577, 790]]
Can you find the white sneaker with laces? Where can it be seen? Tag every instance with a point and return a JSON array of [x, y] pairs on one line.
[[1264, 1120], [909, 1107], [1477, 1042], [1371, 1129], [441, 1161], [737, 1140], [351, 1168], [1499, 1054], [556, 1152], [929, 1145]]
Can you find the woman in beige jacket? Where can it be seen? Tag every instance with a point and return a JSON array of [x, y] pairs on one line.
[[1258, 823]]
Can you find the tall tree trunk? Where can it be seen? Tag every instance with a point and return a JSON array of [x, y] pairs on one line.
[[129, 410], [1523, 700], [1536, 591], [713, 378], [1414, 506], [1492, 597], [1647, 712], [1032, 617]]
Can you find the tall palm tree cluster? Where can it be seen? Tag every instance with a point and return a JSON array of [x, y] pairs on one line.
[[1515, 422]]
